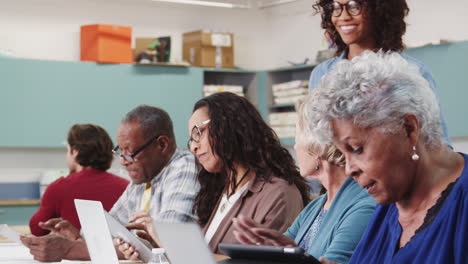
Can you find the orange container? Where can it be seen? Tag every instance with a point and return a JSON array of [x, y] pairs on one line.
[[106, 43]]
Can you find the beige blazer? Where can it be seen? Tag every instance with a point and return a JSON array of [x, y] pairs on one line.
[[273, 204]]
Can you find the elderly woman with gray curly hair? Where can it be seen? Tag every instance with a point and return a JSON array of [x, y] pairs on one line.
[[382, 115]]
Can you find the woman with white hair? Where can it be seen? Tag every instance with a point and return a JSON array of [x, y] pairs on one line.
[[380, 112], [331, 226]]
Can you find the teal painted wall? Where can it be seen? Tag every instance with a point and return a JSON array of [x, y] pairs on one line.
[[449, 66], [17, 215], [40, 100]]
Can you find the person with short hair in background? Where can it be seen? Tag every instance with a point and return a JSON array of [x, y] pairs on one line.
[[88, 157]]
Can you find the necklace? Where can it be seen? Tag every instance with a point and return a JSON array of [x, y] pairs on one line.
[[224, 204]]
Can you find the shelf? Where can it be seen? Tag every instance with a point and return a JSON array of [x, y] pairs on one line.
[[293, 68], [162, 64], [275, 106], [228, 70]]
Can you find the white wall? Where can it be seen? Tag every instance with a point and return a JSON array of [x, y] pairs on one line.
[[294, 33], [264, 39], [49, 29]]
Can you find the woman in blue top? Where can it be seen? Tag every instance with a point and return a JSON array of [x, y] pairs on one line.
[[382, 115], [331, 225], [355, 26]]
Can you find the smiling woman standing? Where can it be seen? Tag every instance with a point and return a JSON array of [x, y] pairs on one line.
[[245, 170], [355, 26]]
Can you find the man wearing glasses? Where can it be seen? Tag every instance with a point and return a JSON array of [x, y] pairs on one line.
[[163, 186]]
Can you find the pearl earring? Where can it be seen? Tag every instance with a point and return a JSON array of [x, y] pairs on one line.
[[317, 166], [415, 156]]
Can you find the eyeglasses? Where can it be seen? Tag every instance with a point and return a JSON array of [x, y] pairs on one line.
[[196, 133], [131, 157], [353, 8]]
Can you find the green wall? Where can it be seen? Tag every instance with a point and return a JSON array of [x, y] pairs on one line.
[[41, 99], [449, 66]]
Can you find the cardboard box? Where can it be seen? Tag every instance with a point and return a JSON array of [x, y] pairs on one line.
[[106, 43], [208, 49]]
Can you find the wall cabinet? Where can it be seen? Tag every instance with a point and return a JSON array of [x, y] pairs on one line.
[[246, 79], [284, 87]]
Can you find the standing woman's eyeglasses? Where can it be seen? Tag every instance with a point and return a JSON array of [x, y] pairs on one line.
[[353, 8]]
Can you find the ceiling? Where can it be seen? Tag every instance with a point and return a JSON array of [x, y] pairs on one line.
[[246, 4]]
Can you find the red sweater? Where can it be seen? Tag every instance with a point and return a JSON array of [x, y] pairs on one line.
[[88, 184]]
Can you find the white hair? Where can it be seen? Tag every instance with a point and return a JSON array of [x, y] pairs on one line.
[[373, 90]]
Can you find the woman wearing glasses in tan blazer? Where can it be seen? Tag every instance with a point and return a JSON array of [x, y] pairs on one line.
[[245, 170]]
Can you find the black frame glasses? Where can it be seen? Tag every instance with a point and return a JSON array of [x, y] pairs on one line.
[[196, 133], [353, 8], [131, 157]]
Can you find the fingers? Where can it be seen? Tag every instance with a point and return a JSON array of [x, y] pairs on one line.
[[273, 237], [49, 224], [138, 226], [117, 241], [145, 236], [28, 241], [138, 215], [243, 239], [245, 234], [63, 224], [266, 233], [128, 251]]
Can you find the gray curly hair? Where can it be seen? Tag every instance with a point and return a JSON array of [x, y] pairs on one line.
[[328, 152], [373, 90]]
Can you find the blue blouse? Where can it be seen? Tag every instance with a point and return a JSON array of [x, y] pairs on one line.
[[326, 66], [342, 226], [443, 241]]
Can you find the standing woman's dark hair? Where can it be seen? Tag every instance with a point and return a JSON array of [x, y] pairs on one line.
[[386, 16], [239, 135]]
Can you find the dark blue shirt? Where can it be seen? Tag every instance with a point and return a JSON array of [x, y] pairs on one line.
[[443, 241]]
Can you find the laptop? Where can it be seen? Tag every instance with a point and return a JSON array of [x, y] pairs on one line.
[[184, 243], [96, 232]]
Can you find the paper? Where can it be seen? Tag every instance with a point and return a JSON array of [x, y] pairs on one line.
[[13, 253], [11, 234]]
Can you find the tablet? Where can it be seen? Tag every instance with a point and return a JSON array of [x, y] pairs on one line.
[[268, 253], [117, 230]]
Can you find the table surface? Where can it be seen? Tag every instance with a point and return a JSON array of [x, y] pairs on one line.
[[26, 231]]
